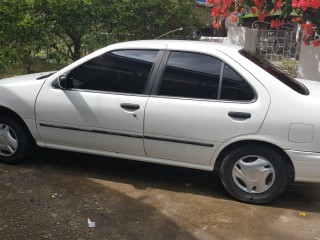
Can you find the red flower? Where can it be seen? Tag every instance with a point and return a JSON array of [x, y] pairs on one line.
[[216, 24], [242, 10], [215, 12], [262, 16], [309, 28], [315, 4], [316, 42], [304, 4], [216, 2], [296, 19], [234, 18], [276, 23], [295, 4], [227, 2], [225, 15], [253, 10], [306, 40], [259, 4], [278, 5]]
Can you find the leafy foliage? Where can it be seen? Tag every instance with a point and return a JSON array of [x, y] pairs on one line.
[[149, 19], [66, 29]]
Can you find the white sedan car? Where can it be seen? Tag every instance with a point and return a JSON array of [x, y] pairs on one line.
[[190, 104]]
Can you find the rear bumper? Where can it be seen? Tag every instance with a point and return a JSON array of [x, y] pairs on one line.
[[306, 165]]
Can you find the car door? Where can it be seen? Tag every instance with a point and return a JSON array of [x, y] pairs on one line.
[[102, 107], [199, 101]]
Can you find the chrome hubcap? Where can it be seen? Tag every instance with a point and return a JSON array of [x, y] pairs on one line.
[[253, 174], [8, 140]]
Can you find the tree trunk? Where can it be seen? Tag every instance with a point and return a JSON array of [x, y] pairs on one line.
[[76, 51]]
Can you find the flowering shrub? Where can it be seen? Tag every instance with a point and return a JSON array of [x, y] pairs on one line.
[[308, 12]]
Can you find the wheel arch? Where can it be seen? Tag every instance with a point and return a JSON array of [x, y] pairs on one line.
[[241, 143], [4, 111]]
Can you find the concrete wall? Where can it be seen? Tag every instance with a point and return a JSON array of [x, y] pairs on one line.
[[309, 62], [213, 39], [242, 36]]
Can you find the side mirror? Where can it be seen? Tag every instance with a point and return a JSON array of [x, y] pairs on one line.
[[62, 82]]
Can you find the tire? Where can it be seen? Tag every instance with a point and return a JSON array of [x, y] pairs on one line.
[[15, 141], [254, 174]]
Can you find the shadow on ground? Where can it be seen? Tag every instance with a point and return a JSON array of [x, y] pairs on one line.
[[297, 196]]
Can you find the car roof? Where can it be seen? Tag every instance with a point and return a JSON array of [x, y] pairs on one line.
[[201, 45]]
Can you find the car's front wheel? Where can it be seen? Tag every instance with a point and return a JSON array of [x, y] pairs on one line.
[[254, 173], [15, 141]]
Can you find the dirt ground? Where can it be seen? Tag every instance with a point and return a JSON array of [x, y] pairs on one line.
[[53, 193]]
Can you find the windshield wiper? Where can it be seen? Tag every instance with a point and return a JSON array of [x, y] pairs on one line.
[[45, 76]]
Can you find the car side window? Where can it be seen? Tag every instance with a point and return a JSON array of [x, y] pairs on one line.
[[124, 71], [234, 87], [191, 75], [195, 75]]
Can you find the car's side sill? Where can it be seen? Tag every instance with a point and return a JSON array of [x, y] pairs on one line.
[[131, 157]]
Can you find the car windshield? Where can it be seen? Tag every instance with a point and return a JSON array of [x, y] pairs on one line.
[[274, 71]]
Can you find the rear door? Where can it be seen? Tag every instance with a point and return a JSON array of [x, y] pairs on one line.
[[199, 101]]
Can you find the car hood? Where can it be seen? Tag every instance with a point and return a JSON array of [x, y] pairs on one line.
[[19, 93], [33, 76]]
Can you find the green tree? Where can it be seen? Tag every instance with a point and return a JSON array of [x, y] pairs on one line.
[[18, 34], [65, 28], [29, 26], [149, 19], [65, 24]]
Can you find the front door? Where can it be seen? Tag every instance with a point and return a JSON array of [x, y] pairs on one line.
[[102, 107]]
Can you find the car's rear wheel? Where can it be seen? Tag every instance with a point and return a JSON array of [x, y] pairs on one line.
[[15, 141], [254, 173]]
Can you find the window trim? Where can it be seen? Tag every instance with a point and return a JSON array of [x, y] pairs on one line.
[[149, 83], [158, 80], [220, 80]]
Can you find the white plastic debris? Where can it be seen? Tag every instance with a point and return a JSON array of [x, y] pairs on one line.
[[91, 224]]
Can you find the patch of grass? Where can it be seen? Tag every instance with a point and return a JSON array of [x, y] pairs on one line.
[[288, 65]]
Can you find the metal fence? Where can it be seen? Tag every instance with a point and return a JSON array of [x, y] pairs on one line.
[[280, 47], [278, 44]]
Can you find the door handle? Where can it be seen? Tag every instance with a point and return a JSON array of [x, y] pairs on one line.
[[243, 115], [130, 106]]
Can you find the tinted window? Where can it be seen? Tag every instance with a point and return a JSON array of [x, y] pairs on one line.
[[234, 87], [281, 76], [191, 75], [123, 71]]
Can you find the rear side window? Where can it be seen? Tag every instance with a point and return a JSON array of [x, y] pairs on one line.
[[195, 75], [278, 74], [124, 71], [234, 87]]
